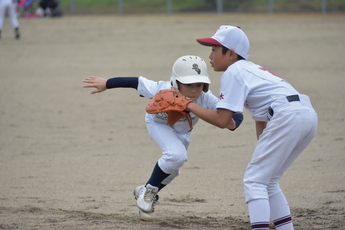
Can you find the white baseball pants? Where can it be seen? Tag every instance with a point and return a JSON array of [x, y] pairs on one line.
[[10, 7], [174, 148], [287, 134]]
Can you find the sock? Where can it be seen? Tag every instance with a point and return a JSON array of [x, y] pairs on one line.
[[259, 214], [161, 186], [17, 34], [157, 176], [280, 212]]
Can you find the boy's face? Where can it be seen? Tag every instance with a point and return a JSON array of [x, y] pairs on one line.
[[191, 91], [220, 61]]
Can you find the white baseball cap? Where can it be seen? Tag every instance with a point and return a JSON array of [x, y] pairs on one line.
[[231, 37]]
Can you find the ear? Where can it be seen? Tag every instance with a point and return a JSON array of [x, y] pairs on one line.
[[232, 55]]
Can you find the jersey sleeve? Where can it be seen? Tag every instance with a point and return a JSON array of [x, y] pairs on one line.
[[148, 88], [233, 91]]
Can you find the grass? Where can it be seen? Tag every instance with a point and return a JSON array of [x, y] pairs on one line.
[[160, 6], [129, 6]]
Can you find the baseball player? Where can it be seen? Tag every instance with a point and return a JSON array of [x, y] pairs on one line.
[[285, 123], [190, 77], [10, 7]]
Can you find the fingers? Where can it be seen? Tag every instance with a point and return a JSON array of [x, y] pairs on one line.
[[90, 78], [95, 82], [88, 86], [92, 82]]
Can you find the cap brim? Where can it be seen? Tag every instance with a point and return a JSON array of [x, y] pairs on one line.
[[194, 79], [208, 42]]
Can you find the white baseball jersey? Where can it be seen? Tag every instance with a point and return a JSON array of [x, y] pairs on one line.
[[292, 125], [149, 88], [173, 140], [245, 84]]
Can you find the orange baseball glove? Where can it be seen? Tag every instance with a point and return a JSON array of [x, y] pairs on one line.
[[170, 102]]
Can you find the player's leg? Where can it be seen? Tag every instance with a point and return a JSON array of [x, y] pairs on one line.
[[279, 207], [284, 138], [265, 162], [174, 154], [169, 179], [173, 145], [274, 146], [13, 17], [306, 126], [2, 15], [157, 176]]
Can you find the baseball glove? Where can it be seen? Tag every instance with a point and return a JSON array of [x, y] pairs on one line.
[[170, 102]]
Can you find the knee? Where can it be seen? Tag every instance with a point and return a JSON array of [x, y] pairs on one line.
[[173, 160], [254, 190], [273, 189], [177, 159]]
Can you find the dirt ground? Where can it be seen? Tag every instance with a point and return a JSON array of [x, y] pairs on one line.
[[71, 160]]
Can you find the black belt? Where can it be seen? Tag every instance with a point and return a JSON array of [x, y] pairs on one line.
[[289, 98]]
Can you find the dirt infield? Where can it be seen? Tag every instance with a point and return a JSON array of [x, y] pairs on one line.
[[70, 160]]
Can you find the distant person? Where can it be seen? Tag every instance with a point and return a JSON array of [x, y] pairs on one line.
[[10, 7], [51, 6]]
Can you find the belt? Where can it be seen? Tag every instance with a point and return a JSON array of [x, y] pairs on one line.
[[289, 98]]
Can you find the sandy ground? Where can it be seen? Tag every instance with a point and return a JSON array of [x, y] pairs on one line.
[[70, 160]]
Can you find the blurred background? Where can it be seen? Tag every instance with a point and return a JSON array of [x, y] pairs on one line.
[[30, 7]]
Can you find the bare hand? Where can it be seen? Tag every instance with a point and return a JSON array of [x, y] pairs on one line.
[[95, 82]]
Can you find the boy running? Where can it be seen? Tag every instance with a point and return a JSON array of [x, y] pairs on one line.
[[190, 77]]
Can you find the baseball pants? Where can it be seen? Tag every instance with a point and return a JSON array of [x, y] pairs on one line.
[[10, 7], [174, 148]]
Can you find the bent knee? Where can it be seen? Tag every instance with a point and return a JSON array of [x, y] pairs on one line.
[[254, 190], [173, 161]]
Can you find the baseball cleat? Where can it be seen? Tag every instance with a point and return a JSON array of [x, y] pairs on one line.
[[137, 192], [146, 216], [146, 198]]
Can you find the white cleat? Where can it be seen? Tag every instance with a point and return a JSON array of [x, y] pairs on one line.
[[143, 215], [146, 216], [146, 198], [137, 191]]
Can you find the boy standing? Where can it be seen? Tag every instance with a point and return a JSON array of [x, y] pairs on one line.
[[285, 123], [10, 7]]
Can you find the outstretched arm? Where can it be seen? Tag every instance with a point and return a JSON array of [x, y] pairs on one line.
[[102, 84]]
